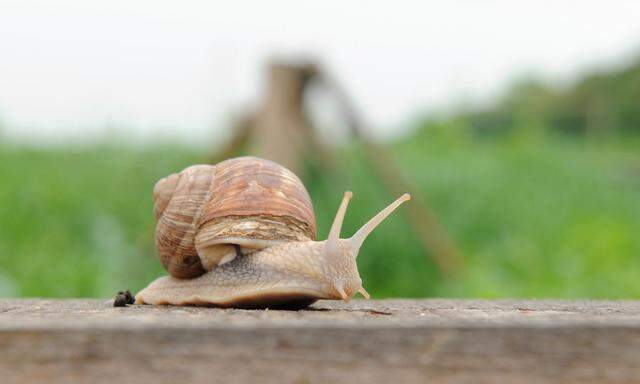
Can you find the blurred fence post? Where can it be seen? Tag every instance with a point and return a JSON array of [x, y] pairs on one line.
[[435, 239]]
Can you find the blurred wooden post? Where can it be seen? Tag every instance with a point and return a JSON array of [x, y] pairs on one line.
[[435, 239], [280, 130]]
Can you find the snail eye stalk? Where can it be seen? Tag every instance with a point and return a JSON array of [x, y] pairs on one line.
[[334, 232], [355, 242]]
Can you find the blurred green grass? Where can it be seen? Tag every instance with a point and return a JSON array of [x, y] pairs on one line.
[[533, 216]]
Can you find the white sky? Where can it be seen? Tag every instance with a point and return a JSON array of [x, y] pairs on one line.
[[75, 70]]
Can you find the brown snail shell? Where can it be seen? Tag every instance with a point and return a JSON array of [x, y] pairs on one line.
[[206, 214]]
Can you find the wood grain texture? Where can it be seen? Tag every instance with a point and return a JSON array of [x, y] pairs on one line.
[[392, 341]]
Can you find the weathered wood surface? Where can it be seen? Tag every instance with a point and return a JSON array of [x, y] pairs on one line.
[[391, 341]]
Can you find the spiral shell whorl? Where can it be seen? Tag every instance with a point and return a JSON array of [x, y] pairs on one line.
[[162, 192], [251, 186], [178, 206]]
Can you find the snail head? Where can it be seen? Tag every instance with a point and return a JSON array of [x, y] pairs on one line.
[[342, 253]]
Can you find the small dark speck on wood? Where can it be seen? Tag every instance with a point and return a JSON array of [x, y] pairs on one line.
[[123, 298]]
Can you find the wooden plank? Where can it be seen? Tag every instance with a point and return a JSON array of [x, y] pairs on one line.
[[393, 341]]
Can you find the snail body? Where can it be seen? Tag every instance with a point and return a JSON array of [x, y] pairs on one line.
[[241, 233]]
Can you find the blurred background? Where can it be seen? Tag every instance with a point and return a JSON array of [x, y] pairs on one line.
[[515, 125]]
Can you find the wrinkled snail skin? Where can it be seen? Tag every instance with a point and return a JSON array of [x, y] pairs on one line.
[[242, 234], [284, 274]]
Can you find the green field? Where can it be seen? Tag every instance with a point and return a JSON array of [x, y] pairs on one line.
[[534, 217]]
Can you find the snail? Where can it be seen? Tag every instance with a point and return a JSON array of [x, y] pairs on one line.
[[242, 233]]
